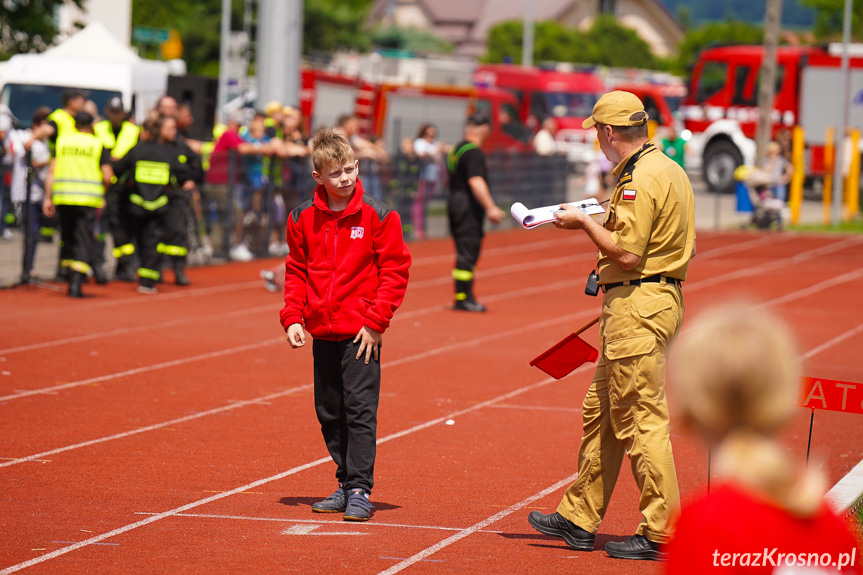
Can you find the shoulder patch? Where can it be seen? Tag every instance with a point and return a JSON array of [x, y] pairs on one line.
[[629, 194], [380, 208], [295, 213]]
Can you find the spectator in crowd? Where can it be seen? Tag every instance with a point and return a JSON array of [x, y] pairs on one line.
[[430, 152], [674, 146], [371, 153], [779, 169], [222, 188], [543, 141], [735, 376]]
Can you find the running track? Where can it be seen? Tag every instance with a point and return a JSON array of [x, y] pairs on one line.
[[176, 434]]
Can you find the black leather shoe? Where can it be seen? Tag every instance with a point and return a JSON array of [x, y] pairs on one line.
[[557, 525], [468, 305], [636, 547]]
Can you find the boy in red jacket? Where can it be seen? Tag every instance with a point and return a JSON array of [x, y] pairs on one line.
[[345, 276]]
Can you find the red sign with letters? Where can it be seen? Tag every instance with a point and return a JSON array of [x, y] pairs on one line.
[[832, 395]]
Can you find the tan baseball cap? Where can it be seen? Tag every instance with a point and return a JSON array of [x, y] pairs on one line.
[[617, 108]]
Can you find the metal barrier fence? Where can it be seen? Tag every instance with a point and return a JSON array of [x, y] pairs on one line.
[[247, 201]]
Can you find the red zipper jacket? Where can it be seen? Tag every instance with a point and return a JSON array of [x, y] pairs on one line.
[[344, 271]]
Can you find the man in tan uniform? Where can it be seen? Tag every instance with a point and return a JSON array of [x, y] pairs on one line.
[[644, 246]]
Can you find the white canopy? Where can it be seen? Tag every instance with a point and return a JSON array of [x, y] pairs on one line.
[[94, 42]]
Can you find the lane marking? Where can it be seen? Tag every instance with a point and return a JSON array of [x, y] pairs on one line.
[[312, 530], [339, 522], [537, 407], [477, 527]]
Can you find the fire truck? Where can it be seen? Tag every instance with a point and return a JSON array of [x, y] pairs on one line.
[[721, 108], [396, 111], [569, 96]]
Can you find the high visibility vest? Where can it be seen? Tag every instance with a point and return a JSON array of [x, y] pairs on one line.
[[77, 172], [125, 140], [65, 124]]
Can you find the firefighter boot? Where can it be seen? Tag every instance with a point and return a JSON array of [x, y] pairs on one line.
[[180, 271], [464, 300], [125, 270], [76, 280]]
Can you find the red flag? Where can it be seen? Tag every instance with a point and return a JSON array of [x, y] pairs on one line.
[[567, 354]]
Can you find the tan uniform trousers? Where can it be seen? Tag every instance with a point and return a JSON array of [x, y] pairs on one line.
[[625, 410]]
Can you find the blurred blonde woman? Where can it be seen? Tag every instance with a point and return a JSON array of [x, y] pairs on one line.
[[736, 377]]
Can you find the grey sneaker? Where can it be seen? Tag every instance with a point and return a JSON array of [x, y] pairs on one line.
[[359, 507], [335, 503]]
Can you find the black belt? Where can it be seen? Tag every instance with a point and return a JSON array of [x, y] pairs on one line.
[[651, 279]]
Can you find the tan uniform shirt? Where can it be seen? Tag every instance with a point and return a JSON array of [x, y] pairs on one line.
[[651, 214]]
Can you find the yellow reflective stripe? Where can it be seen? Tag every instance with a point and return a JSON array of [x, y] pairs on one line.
[[148, 205], [65, 263], [46, 232], [462, 275], [183, 159], [124, 250], [78, 199], [158, 173], [81, 267], [461, 296], [149, 274], [173, 250]]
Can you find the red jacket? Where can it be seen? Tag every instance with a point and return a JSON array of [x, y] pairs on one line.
[[344, 271]]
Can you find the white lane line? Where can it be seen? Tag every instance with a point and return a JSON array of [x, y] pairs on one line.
[[191, 417], [476, 527], [537, 408], [830, 343], [145, 369], [318, 522], [260, 482], [127, 330], [313, 530]]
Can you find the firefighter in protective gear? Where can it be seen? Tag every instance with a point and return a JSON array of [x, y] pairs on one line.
[[469, 203], [76, 187], [158, 174], [119, 136]]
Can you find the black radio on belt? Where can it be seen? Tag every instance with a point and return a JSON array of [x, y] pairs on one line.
[[592, 287]]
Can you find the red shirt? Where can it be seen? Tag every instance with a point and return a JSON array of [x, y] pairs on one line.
[[218, 172], [345, 270], [734, 531]]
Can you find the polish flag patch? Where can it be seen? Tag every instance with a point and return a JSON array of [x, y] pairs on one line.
[[628, 194]]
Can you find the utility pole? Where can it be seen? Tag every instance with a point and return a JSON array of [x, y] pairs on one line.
[[279, 50], [844, 114], [767, 88], [222, 97], [527, 39]]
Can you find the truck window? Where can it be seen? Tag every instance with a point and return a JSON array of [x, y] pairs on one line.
[[711, 81], [572, 104], [745, 93], [538, 106], [652, 109], [23, 99], [511, 124]]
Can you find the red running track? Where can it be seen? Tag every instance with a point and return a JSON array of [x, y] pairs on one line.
[[176, 433]]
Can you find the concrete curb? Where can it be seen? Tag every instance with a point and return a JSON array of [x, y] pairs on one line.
[[847, 495]]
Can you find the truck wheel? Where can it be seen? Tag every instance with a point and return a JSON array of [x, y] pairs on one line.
[[721, 158]]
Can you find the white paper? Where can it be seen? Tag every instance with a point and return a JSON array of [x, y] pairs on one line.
[[538, 216]]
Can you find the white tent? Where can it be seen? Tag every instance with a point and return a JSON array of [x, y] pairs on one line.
[[96, 42]]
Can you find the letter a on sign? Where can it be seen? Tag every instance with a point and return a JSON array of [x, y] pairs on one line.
[[831, 395]]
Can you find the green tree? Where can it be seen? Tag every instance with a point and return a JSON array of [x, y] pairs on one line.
[[607, 43], [330, 25], [719, 33], [610, 44], [29, 26], [829, 18], [409, 39]]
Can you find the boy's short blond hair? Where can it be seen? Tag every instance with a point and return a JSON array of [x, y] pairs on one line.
[[330, 148]]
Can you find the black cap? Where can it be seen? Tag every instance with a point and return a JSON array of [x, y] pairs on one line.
[[480, 118], [83, 119], [115, 104]]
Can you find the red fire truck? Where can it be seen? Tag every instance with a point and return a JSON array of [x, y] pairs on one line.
[[568, 96], [721, 109], [395, 112]]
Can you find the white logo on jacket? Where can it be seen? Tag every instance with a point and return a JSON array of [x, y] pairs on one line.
[[356, 233]]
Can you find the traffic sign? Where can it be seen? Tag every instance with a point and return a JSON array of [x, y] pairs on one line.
[[148, 35]]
